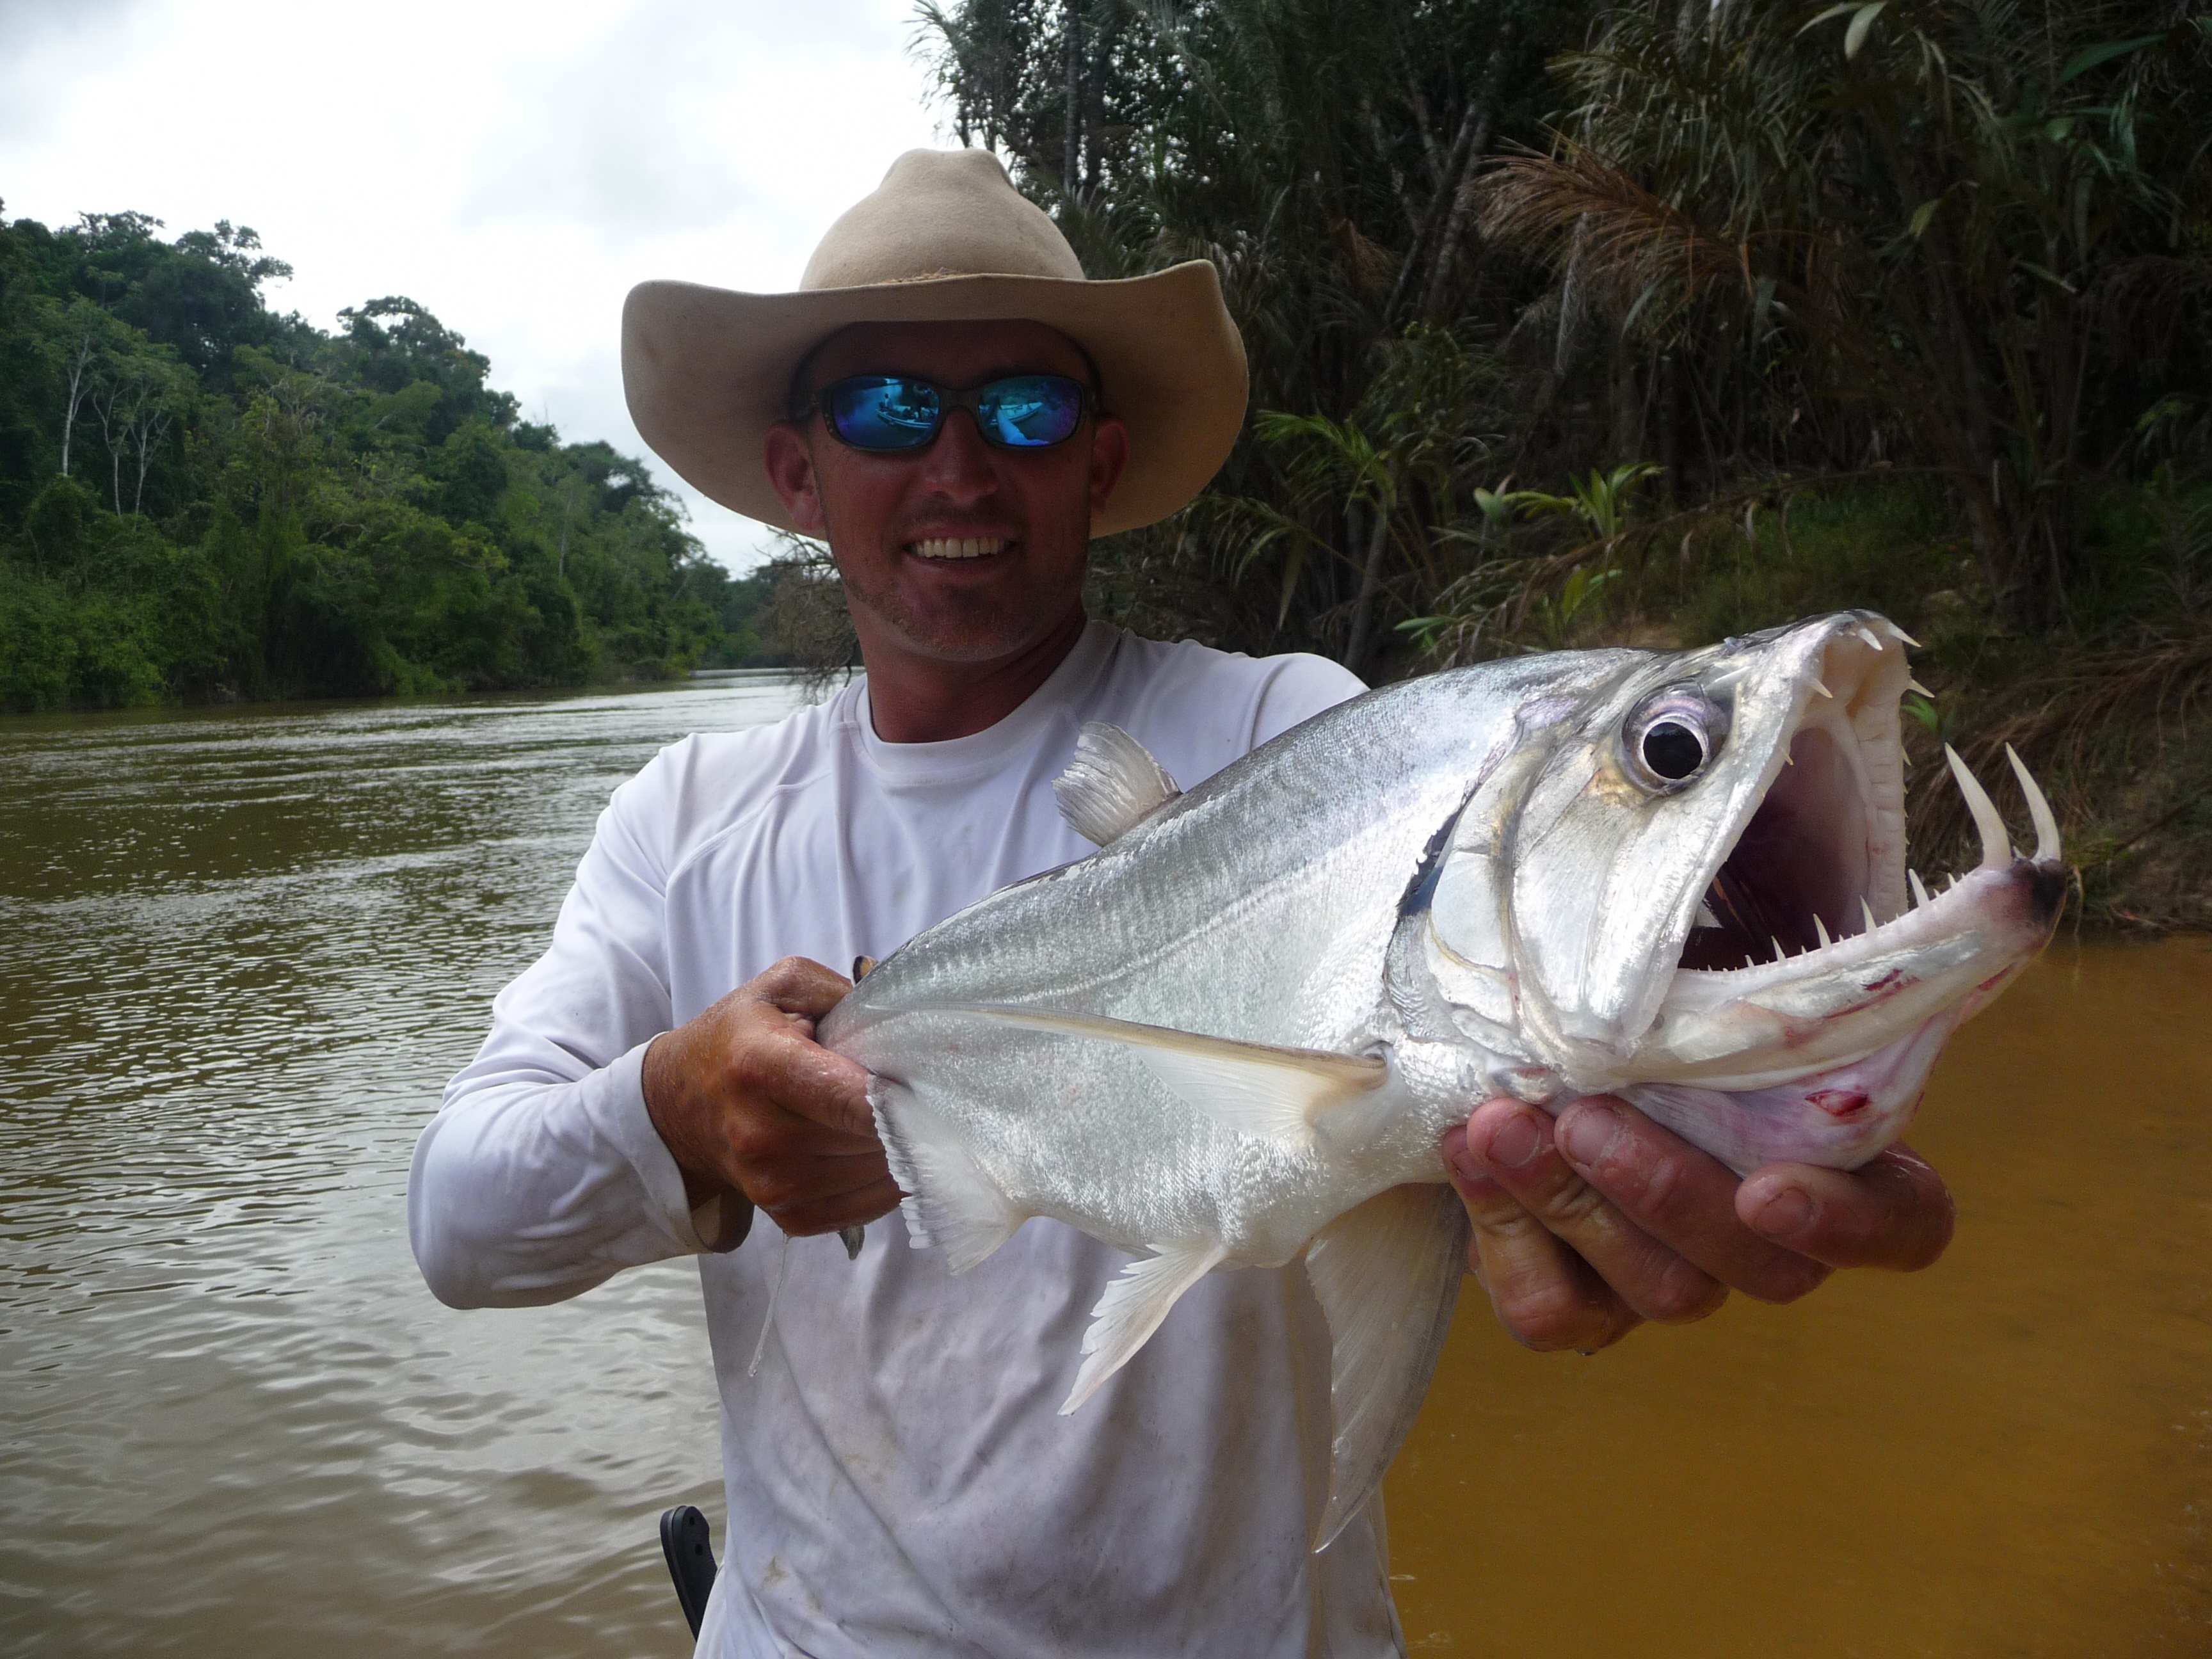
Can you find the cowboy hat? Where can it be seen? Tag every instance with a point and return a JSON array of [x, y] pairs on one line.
[[945, 238]]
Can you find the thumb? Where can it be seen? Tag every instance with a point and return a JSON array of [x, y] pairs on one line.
[[821, 1084]]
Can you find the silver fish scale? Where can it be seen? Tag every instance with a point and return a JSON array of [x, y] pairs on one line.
[[1259, 905]]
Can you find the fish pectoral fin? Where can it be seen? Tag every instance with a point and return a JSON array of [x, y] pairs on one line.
[[1133, 1307], [1112, 785], [1387, 1275], [949, 1201], [1294, 1093]]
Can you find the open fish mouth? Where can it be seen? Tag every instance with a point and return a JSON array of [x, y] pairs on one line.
[[1817, 965]]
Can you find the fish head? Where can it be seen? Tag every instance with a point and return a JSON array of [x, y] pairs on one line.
[[1692, 878]]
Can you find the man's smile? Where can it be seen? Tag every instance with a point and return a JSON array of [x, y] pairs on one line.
[[942, 548]]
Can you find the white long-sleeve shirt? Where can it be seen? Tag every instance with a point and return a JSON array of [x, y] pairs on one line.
[[899, 1480]]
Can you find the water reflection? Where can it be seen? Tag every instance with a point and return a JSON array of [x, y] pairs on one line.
[[242, 949], [239, 950]]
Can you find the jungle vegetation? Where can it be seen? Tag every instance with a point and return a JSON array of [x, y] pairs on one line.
[[1659, 322], [202, 498]]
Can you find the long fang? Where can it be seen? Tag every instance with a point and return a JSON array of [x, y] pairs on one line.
[[1996, 849], [2038, 808], [1866, 910], [1821, 928], [1919, 888]]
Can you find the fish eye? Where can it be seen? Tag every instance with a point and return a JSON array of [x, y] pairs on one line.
[[1671, 738]]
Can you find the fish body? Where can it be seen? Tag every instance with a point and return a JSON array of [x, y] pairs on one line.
[[1236, 1035]]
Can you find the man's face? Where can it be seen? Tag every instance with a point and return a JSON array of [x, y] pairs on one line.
[[888, 518]]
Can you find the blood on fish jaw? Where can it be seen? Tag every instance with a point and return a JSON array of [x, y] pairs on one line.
[[1821, 977]]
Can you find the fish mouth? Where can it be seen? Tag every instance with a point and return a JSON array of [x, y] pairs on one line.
[[1817, 960]]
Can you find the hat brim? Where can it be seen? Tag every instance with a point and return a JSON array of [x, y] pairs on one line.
[[706, 370]]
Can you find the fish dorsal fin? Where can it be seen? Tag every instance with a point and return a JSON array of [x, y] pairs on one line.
[[1133, 1307], [1294, 1093], [1387, 1275], [1112, 785]]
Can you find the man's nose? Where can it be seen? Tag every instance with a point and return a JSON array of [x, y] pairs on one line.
[[958, 466]]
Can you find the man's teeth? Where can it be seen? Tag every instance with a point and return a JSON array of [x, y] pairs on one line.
[[957, 547]]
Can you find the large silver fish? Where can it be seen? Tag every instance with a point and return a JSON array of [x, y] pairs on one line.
[[1236, 1033]]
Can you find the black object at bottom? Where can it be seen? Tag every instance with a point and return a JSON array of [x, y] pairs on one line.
[[685, 1541]]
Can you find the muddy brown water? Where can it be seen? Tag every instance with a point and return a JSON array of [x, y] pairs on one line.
[[240, 949]]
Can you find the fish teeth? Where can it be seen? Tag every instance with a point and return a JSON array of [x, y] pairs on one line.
[[1912, 685], [1868, 635], [1919, 889], [1822, 690], [2038, 808], [1996, 848], [1821, 928], [1778, 951], [1866, 910], [1903, 638]]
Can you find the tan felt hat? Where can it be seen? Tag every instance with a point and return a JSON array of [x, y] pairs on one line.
[[945, 238]]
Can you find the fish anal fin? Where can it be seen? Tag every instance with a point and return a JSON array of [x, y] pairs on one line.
[[1293, 1093], [949, 1202], [1387, 1275], [1133, 1307], [1112, 785]]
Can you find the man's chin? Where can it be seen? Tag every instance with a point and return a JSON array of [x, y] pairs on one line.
[[977, 637]]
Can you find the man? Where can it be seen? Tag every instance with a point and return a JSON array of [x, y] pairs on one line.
[[953, 408]]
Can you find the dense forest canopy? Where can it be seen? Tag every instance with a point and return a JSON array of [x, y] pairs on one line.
[[200, 497]]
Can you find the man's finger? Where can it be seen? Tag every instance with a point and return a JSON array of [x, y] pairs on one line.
[[1512, 1143], [801, 1076], [1543, 1294], [798, 985], [1679, 1196], [827, 1212], [1894, 1211]]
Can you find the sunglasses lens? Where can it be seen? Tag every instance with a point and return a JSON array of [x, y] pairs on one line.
[[883, 411], [1030, 411]]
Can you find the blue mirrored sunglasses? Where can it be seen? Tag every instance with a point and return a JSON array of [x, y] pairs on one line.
[[886, 412]]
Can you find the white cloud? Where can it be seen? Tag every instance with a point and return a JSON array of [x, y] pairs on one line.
[[515, 168]]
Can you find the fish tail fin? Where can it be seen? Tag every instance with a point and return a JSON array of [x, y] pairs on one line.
[[949, 1201], [1386, 1275]]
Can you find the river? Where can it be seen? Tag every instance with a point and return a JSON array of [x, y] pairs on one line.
[[240, 949]]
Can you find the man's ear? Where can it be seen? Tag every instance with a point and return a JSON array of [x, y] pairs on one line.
[[790, 465], [1110, 454]]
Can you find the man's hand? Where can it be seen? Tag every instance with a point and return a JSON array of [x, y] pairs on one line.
[[748, 1101], [1586, 1227]]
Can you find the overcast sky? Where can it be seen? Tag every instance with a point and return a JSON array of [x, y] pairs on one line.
[[513, 167]]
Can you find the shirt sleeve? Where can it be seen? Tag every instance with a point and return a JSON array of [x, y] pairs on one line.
[[542, 1175]]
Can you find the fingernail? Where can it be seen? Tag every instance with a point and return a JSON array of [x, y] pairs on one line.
[[1786, 1214], [1467, 1173], [1586, 1131], [1514, 1143]]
